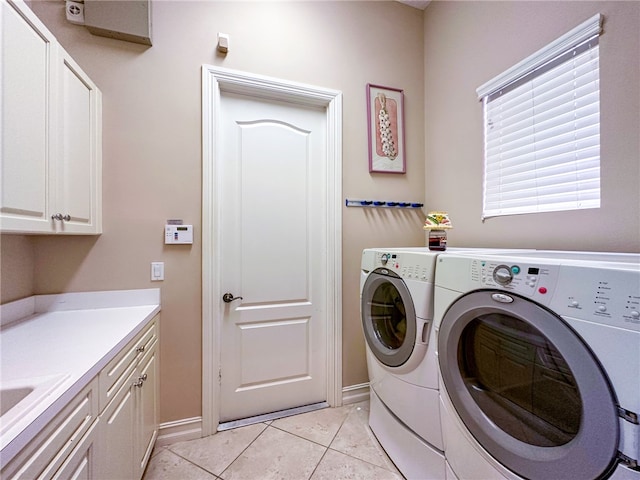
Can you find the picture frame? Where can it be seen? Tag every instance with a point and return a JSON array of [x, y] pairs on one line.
[[385, 116]]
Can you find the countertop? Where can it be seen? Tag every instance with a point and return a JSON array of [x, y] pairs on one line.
[[62, 341]]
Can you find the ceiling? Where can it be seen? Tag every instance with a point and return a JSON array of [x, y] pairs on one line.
[[421, 4]]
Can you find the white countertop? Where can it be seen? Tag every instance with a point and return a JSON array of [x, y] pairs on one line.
[[68, 338]]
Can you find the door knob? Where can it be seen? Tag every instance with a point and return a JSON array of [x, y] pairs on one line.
[[228, 298]]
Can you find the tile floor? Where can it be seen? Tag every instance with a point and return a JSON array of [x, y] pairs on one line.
[[327, 444]]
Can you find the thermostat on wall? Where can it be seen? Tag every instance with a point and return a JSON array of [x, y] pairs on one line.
[[178, 234]]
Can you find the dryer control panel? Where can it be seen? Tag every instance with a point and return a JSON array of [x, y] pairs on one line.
[[530, 280], [602, 293]]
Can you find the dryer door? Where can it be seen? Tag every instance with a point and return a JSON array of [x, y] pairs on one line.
[[527, 387], [388, 317]]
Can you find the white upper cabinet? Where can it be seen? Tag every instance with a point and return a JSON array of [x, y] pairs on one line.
[[51, 150], [78, 183]]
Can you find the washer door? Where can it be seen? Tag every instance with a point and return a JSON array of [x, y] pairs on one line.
[[388, 317], [527, 387]]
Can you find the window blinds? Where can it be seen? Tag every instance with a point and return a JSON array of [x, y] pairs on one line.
[[542, 129]]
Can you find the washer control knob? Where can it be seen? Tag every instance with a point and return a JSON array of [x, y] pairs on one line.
[[384, 258], [502, 274]]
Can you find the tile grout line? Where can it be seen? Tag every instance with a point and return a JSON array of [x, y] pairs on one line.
[[216, 477], [319, 462], [267, 425], [327, 448]]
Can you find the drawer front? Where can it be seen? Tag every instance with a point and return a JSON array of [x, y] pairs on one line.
[[115, 374], [46, 453], [80, 465]]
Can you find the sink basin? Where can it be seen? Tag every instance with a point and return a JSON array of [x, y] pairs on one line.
[[19, 397], [10, 397]]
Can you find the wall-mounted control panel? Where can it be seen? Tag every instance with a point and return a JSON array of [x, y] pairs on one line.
[[178, 234]]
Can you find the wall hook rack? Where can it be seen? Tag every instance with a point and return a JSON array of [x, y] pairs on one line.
[[381, 204]]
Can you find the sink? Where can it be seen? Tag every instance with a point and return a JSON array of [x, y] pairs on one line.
[[19, 397], [10, 397]]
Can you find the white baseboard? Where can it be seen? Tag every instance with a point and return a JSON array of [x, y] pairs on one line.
[[179, 431], [355, 393], [191, 428]]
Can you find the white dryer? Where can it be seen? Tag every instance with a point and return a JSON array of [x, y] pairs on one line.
[[539, 355], [396, 289]]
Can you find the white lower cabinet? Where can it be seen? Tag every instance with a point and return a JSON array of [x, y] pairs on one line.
[[109, 429], [80, 464], [66, 442], [116, 459], [145, 400], [129, 422]]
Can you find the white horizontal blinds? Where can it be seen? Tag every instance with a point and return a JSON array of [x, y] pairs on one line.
[[542, 136]]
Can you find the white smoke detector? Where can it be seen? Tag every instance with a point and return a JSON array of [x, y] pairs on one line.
[[75, 12]]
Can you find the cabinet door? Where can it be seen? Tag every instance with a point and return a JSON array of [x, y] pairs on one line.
[[80, 464], [78, 169], [28, 53], [147, 409], [116, 458]]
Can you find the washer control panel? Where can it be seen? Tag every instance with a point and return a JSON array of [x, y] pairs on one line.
[[410, 266]]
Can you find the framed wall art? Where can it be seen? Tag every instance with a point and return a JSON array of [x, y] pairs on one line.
[[385, 115]]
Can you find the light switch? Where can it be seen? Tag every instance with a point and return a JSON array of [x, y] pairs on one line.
[[157, 271]]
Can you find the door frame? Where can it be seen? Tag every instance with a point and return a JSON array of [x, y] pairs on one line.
[[216, 80]]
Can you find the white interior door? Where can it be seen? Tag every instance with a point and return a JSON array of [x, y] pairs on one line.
[[271, 221], [273, 243]]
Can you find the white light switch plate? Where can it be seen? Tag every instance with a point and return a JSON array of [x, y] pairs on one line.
[[157, 271]]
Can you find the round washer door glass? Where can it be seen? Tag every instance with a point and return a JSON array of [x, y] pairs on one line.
[[527, 387], [388, 317]]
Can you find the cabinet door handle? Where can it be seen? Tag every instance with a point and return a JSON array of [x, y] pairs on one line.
[[139, 383], [140, 349], [144, 377], [59, 216]]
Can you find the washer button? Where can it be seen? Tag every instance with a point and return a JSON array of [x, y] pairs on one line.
[[602, 308], [542, 290]]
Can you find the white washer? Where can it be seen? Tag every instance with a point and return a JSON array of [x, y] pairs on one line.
[[539, 355], [396, 288]]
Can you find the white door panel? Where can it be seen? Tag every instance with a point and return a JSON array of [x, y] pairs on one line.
[[273, 239]]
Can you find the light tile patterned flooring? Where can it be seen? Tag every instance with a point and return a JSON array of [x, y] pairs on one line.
[[327, 444]]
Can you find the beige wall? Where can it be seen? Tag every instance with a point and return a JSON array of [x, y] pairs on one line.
[[152, 142], [469, 43], [16, 267], [152, 152]]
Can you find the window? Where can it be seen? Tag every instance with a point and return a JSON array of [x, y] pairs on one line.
[[542, 129]]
